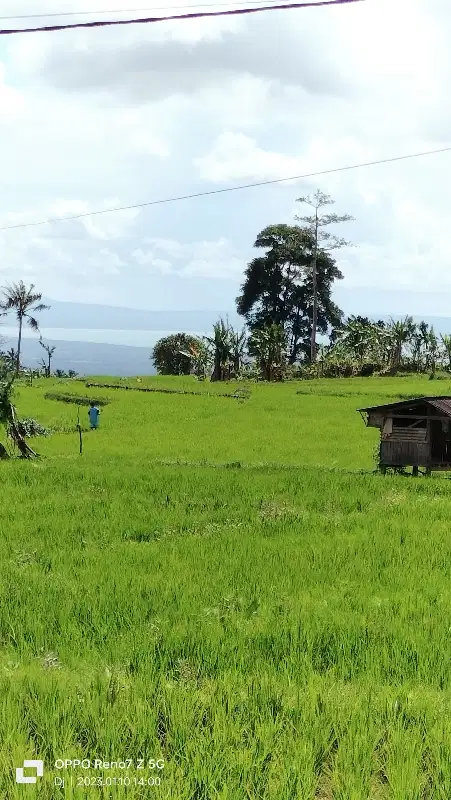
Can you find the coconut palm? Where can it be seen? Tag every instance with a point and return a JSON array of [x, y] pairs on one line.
[[25, 302]]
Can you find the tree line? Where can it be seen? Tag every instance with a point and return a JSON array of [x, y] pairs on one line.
[[286, 304], [357, 347]]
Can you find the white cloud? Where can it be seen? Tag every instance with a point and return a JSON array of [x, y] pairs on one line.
[[90, 119], [237, 157], [10, 99], [148, 259], [206, 259]]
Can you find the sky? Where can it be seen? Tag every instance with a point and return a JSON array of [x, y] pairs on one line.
[[91, 119]]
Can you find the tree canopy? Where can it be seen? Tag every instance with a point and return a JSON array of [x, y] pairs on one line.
[[278, 289], [170, 354]]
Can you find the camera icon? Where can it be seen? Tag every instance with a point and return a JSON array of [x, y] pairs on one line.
[[36, 765]]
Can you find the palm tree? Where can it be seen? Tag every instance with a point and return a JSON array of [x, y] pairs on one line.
[[25, 302], [221, 342]]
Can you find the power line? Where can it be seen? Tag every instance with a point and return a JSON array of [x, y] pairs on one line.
[[223, 191], [91, 13], [174, 17]]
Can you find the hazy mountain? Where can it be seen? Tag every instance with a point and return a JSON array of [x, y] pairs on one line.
[[85, 315]]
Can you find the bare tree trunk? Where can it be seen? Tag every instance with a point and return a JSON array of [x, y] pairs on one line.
[[19, 345], [18, 439], [216, 376], [315, 293]]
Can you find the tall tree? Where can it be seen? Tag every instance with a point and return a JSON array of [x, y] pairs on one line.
[[25, 302], [324, 239], [278, 286]]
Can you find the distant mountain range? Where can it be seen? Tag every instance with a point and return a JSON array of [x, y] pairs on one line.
[[99, 317], [85, 315]]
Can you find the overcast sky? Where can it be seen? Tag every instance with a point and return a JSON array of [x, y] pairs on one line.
[[97, 118]]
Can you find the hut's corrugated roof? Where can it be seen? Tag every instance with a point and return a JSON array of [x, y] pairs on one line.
[[442, 403]]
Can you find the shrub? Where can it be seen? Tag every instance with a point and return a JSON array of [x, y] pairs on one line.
[[169, 357], [77, 399], [242, 394]]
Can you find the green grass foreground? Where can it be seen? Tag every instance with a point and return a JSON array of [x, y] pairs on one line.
[[227, 586]]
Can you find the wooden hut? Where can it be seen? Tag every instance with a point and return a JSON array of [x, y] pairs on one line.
[[414, 433]]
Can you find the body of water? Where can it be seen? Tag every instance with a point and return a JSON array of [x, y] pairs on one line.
[[89, 351], [117, 337]]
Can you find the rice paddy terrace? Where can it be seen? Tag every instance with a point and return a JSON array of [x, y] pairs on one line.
[[221, 595]]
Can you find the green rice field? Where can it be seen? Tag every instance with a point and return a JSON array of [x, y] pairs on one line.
[[222, 598]]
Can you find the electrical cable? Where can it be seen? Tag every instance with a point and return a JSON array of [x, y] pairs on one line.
[[174, 17], [99, 12], [223, 191]]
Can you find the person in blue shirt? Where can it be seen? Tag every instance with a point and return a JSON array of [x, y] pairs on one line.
[[93, 415]]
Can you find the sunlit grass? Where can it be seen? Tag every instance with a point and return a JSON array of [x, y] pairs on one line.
[[278, 632]]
